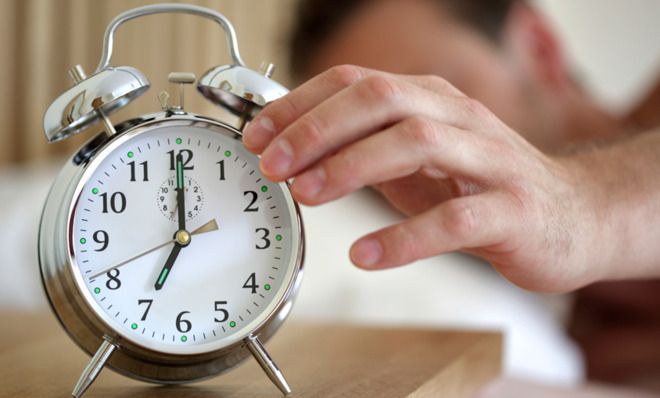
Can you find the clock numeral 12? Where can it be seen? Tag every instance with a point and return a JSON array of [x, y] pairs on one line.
[[186, 156]]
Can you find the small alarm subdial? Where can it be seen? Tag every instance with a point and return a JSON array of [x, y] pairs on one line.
[[166, 198]]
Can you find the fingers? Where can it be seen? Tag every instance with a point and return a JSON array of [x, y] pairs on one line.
[[350, 115], [410, 146], [468, 222], [278, 115]]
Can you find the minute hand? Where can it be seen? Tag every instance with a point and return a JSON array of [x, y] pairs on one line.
[[207, 227]]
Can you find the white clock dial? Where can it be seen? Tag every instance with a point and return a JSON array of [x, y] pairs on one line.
[[225, 282]]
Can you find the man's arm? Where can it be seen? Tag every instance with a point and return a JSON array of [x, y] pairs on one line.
[[547, 224]]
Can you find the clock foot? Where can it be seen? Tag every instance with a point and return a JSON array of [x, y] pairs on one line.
[[93, 368], [267, 364]]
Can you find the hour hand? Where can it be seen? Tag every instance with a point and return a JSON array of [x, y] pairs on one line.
[[182, 239]]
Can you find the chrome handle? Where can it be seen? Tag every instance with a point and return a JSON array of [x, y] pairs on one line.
[[165, 8]]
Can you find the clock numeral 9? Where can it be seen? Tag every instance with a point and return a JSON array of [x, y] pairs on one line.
[[117, 202], [148, 302], [186, 156], [101, 237], [223, 311], [253, 195], [183, 325], [113, 282], [145, 171], [264, 238], [251, 283]]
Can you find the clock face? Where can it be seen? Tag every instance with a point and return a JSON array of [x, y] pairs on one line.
[[175, 288]]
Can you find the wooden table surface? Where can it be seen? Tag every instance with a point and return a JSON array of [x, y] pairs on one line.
[[37, 359]]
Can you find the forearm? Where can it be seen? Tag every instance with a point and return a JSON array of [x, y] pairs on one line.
[[623, 183]]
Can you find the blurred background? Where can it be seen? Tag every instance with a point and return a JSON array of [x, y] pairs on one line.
[[612, 44]]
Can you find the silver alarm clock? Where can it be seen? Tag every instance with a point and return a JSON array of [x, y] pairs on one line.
[[164, 252]]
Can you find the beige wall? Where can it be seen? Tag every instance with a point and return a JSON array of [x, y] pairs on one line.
[[41, 39]]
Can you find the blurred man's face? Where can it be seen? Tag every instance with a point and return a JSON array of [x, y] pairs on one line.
[[418, 37]]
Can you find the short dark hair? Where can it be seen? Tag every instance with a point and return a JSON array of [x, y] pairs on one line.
[[316, 20]]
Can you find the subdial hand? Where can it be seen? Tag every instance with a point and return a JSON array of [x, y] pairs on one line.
[[209, 226]]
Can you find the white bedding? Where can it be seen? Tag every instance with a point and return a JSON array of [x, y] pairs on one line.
[[449, 291]]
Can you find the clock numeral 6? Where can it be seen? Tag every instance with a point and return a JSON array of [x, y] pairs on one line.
[[113, 282], [266, 242], [183, 325], [117, 202], [222, 311]]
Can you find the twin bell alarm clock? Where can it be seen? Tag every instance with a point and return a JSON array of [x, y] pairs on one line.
[[164, 252]]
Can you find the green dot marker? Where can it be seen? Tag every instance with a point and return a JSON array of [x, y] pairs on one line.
[[278, 237], [97, 290], [179, 141], [83, 241], [184, 338], [227, 153], [95, 191], [134, 326], [232, 324], [267, 286], [130, 154], [264, 188]]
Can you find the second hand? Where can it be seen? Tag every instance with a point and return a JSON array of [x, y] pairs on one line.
[[209, 226]]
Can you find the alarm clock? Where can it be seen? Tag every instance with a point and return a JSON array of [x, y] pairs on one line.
[[164, 252]]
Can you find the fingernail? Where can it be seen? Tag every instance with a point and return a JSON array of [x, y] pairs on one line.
[[309, 184], [277, 159], [366, 253], [259, 133]]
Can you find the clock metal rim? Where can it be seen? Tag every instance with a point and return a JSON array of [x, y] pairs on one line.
[[84, 324]]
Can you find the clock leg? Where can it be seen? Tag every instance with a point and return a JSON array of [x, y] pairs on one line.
[[267, 364], [93, 368]]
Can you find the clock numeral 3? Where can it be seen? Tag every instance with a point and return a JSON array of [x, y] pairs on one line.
[[113, 282], [117, 202], [223, 311], [251, 283], [183, 325], [264, 238]]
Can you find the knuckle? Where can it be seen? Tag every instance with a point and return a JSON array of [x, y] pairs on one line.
[[406, 244], [345, 168], [345, 75], [476, 108], [422, 131], [436, 82], [459, 220], [380, 88], [311, 132]]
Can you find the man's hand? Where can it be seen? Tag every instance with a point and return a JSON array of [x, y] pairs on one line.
[[468, 181]]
